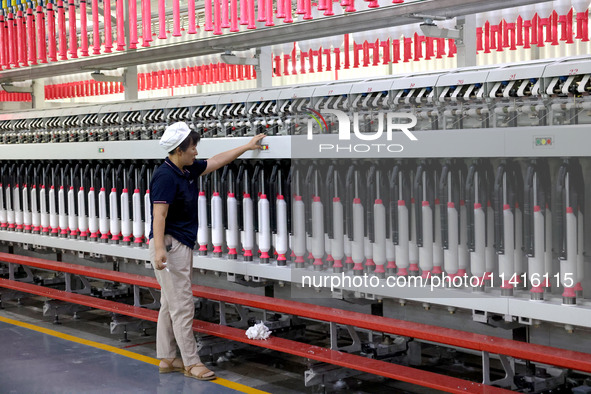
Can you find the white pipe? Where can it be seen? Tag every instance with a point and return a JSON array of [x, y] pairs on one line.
[[18, 213], [390, 256], [3, 222], [357, 246], [9, 210], [426, 251], [413, 249], [328, 250], [317, 232], [402, 249], [26, 210], [62, 217], [43, 210], [518, 260], [379, 245], [347, 249], [568, 267], [82, 218], [437, 243], [450, 255], [92, 216], [248, 219], [36, 215], [103, 218], [282, 237], [264, 217], [477, 257], [463, 253], [368, 252], [147, 216], [126, 226], [548, 261], [232, 232], [72, 218], [114, 223], [491, 256], [217, 225], [338, 243], [507, 259], [536, 263], [138, 225], [299, 230], [53, 216], [580, 251], [203, 231]]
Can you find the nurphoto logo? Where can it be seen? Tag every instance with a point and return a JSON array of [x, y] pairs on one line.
[[394, 122]]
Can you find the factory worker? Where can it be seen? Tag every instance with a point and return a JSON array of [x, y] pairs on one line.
[[173, 196]]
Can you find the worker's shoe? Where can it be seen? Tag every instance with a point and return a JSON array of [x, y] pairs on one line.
[[199, 372], [171, 365]]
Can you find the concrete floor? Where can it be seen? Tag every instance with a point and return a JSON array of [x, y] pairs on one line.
[[34, 362]]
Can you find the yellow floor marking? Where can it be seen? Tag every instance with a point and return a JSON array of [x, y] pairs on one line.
[[122, 352]]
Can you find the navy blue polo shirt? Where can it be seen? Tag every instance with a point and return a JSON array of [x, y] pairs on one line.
[[179, 189]]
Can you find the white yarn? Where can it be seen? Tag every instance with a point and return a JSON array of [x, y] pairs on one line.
[[258, 331]]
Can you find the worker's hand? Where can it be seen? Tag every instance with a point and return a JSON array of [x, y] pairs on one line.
[[255, 142], [160, 260]]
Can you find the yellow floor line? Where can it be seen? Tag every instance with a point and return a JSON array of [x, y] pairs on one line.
[[126, 353]]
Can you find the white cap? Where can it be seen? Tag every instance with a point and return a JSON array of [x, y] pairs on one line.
[[174, 135]]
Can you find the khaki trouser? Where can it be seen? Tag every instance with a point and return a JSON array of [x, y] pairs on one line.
[[177, 310]]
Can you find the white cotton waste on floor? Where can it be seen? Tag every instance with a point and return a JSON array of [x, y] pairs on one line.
[[258, 331]]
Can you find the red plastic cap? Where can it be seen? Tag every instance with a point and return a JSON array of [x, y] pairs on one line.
[[316, 199]]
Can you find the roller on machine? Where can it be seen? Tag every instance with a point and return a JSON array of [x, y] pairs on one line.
[[261, 210], [451, 183], [230, 209], [537, 227], [476, 201], [245, 204], [570, 229], [335, 216], [506, 229], [425, 228]]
